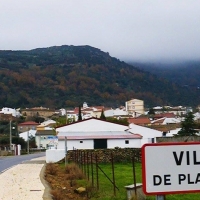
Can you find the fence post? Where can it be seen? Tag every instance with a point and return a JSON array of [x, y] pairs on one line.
[[97, 174], [92, 169], [88, 170], [78, 157], [84, 163], [65, 151], [134, 176], [74, 154], [113, 174]]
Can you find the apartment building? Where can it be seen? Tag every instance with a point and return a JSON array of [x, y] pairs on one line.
[[135, 107]]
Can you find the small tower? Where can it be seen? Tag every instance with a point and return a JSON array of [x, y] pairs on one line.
[[85, 105]]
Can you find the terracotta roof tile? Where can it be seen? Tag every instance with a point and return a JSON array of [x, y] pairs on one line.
[[138, 121], [28, 123]]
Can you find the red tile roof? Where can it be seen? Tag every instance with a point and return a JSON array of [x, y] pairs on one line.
[[168, 115], [28, 123], [138, 121]]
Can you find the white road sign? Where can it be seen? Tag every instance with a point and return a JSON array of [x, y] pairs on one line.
[[171, 168]]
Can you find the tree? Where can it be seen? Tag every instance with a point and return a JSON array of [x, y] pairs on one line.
[[21, 141], [188, 126], [151, 111], [102, 115], [79, 114], [122, 121]]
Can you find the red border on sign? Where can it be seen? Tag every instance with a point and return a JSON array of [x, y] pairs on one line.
[[144, 168]]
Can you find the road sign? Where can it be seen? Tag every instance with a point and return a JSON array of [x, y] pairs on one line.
[[52, 139], [169, 168]]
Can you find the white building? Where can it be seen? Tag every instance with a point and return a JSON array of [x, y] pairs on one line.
[[47, 123], [115, 113], [62, 112], [95, 133], [27, 134], [45, 138], [148, 135], [14, 112], [135, 107], [166, 120]]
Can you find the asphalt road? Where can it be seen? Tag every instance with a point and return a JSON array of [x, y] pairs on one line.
[[9, 161]]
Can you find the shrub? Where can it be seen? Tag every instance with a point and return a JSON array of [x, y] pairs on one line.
[[51, 168], [73, 173], [57, 194]]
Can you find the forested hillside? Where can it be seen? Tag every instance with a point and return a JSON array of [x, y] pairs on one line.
[[67, 76]]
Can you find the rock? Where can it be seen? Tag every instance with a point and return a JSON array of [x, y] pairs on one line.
[[80, 190]]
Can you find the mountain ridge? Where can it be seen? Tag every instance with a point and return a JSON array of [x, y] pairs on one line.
[[67, 76]]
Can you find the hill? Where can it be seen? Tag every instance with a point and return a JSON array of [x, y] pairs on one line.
[[67, 76], [185, 73]]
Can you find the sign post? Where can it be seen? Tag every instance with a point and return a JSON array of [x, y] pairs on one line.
[[169, 168]]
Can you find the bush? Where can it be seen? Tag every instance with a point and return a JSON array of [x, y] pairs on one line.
[[73, 173], [51, 168], [57, 194]]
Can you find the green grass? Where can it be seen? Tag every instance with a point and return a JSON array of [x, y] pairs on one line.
[[123, 177]]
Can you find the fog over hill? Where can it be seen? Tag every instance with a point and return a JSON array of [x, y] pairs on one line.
[[185, 73]]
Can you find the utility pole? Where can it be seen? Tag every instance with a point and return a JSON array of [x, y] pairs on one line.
[[66, 116], [10, 136], [28, 142]]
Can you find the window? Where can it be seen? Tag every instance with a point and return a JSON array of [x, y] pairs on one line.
[[126, 141], [81, 141]]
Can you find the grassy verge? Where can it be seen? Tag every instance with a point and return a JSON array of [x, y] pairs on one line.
[[64, 180], [123, 177]]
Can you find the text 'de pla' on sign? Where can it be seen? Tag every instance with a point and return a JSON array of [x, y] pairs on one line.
[[169, 168]]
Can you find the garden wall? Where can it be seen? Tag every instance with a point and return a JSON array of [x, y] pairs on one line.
[[178, 139], [105, 155]]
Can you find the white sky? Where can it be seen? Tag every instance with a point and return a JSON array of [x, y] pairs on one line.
[[127, 29]]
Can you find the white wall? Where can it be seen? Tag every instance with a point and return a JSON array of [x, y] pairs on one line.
[[87, 144], [146, 140], [54, 155], [133, 143]]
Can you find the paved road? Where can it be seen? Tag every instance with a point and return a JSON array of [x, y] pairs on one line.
[[9, 161]]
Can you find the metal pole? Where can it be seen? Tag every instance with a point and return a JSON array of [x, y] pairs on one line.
[[97, 174], [88, 170], [10, 137], [134, 176], [65, 151], [113, 174], [92, 170], [28, 142], [160, 197]]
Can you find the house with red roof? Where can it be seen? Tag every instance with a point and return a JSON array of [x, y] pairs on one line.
[[25, 126], [167, 115], [142, 121]]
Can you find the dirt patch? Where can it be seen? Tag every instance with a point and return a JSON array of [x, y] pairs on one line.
[[64, 182]]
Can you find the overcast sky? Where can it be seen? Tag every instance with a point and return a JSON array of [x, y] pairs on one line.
[[128, 29]]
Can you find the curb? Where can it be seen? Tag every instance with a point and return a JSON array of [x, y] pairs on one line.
[[47, 191]]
